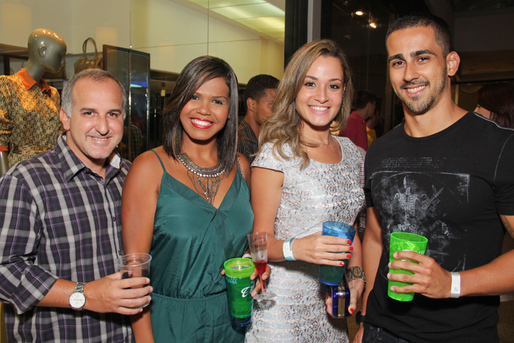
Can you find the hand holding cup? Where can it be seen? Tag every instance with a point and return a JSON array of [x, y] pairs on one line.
[[401, 241], [134, 265]]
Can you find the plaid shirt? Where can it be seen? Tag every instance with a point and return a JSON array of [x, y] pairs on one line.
[[59, 220]]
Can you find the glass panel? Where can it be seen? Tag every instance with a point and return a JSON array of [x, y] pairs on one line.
[[360, 28], [248, 34]]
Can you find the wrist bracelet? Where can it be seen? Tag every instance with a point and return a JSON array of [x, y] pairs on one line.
[[247, 256], [455, 288], [355, 273], [287, 249], [359, 318]]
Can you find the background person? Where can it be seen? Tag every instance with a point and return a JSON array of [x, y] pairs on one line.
[[302, 177], [496, 102], [259, 96], [60, 227], [445, 174], [364, 103], [370, 128], [188, 205]]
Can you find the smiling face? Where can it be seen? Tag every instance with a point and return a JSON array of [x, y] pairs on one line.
[[206, 113], [95, 126], [320, 98], [418, 70]]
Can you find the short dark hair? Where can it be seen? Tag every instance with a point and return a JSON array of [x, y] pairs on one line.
[[195, 74], [362, 97], [97, 75], [257, 85], [441, 28]]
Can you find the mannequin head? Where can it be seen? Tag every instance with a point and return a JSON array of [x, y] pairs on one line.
[[46, 52]]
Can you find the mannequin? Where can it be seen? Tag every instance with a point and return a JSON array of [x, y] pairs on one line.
[[29, 107]]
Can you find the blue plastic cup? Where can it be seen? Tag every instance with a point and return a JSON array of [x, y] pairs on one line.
[[329, 275]]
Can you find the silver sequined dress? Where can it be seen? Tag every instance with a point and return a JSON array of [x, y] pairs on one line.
[[321, 192]]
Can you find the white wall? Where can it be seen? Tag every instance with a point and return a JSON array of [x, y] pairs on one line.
[[106, 21], [173, 34]]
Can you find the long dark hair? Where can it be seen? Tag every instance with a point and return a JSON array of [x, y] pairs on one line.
[[499, 99], [195, 74]]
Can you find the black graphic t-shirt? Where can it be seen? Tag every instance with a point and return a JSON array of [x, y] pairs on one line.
[[449, 187]]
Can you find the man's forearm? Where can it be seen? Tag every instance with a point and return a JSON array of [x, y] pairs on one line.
[[372, 250], [494, 278], [58, 295]]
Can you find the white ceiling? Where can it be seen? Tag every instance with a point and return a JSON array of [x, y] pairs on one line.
[[267, 18]]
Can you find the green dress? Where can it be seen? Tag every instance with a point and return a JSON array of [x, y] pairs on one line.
[[191, 240]]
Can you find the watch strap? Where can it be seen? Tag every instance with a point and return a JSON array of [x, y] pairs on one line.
[[79, 287], [359, 317]]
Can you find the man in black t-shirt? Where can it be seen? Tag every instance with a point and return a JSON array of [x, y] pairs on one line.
[[445, 174]]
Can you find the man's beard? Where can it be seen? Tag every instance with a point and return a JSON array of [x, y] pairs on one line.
[[420, 107]]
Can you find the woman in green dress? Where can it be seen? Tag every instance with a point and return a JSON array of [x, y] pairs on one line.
[[187, 203]]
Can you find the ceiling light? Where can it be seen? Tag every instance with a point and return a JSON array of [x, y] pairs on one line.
[[373, 25], [359, 13]]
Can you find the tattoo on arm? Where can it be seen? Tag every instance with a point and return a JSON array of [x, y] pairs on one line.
[[507, 225]]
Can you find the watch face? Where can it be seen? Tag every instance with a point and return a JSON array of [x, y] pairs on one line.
[[77, 300]]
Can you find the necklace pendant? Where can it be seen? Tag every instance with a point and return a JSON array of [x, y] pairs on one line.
[[207, 179]]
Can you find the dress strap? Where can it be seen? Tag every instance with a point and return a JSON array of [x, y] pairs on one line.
[[162, 164], [240, 167]]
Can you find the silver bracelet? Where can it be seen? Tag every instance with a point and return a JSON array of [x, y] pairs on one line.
[[455, 288], [287, 249], [355, 273]]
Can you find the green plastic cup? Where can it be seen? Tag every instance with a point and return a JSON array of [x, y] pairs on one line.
[[239, 286], [404, 241]]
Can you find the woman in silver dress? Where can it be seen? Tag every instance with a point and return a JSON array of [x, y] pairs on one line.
[[302, 177]]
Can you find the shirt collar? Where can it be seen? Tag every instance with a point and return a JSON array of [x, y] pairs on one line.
[[28, 81], [357, 116], [72, 165]]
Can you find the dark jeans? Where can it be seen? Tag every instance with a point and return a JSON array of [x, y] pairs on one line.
[[373, 334]]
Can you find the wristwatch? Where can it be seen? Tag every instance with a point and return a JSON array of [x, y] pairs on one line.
[[77, 298], [359, 318]]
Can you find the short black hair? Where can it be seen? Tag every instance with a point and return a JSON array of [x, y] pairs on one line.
[[257, 85], [362, 97], [441, 28]]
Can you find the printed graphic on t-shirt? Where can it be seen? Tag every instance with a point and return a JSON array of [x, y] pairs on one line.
[[419, 202]]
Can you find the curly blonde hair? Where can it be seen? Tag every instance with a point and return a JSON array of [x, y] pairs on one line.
[[284, 125]]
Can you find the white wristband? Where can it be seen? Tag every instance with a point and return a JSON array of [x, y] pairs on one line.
[[455, 290], [287, 249], [247, 256]]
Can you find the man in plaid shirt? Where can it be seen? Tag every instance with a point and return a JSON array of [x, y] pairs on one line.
[[61, 227]]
